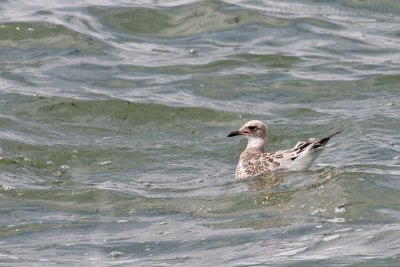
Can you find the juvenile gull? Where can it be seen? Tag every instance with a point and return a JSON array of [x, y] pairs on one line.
[[253, 161]]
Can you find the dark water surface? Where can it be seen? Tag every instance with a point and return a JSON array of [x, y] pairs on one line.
[[113, 124]]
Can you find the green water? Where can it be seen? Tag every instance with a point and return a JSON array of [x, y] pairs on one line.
[[113, 124]]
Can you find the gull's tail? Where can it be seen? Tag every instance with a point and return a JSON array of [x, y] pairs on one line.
[[322, 142], [307, 152]]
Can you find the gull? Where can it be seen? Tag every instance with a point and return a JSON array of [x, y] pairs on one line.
[[254, 161]]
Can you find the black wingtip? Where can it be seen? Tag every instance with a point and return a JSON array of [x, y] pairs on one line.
[[322, 142], [338, 132]]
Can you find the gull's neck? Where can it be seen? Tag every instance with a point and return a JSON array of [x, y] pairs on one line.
[[255, 144]]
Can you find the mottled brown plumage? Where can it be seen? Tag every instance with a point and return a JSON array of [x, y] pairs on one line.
[[253, 161]]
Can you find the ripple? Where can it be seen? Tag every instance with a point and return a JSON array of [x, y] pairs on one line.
[[191, 19], [44, 36]]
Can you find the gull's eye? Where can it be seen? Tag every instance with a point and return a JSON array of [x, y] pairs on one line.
[[252, 128]]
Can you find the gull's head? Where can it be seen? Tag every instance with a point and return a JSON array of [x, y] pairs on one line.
[[252, 130]]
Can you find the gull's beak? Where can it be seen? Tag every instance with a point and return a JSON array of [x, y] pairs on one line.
[[234, 133]]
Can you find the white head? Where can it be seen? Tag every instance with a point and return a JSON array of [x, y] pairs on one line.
[[256, 133]]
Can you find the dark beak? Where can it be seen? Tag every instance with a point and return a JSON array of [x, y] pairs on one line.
[[234, 133]]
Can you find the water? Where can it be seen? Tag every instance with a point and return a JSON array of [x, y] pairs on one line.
[[113, 130]]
